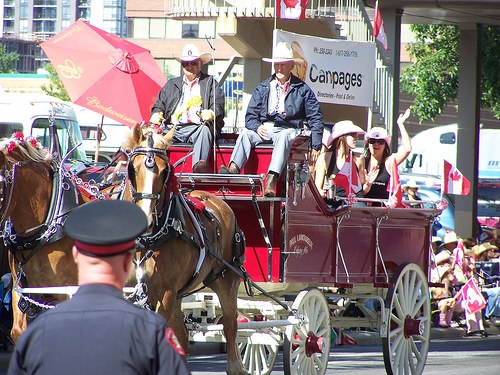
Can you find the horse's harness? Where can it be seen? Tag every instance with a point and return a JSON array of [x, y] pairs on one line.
[[170, 220]]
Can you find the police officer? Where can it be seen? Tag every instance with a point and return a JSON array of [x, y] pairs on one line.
[[98, 331]]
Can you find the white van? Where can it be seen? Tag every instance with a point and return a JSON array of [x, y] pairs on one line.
[[30, 114], [113, 133], [431, 146]]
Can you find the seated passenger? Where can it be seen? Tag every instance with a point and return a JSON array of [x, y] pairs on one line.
[[410, 192], [192, 102], [276, 111], [332, 172], [378, 158]]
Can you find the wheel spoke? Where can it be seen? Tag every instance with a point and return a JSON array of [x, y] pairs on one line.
[[320, 321], [399, 307]]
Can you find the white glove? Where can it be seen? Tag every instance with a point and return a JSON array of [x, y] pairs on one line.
[[207, 115], [156, 118]]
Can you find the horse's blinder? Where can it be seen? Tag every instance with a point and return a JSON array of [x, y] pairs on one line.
[[150, 162]]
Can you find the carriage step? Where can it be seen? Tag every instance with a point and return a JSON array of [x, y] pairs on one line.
[[343, 285], [383, 285]]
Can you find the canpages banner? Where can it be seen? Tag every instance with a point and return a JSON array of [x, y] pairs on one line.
[[338, 71]]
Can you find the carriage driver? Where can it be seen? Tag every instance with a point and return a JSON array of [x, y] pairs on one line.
[[276, 111], [191, 102], [98, 331]]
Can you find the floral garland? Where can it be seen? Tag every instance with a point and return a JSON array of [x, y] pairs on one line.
[[194, 101], [19, 138], [158, 129]]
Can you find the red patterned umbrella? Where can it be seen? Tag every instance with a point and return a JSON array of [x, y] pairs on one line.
[[105, 73]]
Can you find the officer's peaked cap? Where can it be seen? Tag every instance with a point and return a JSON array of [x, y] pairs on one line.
[[106, 227]]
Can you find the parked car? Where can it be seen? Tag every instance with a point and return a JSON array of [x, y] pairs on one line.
[[488, 203]]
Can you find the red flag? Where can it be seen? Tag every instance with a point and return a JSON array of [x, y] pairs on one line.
[[454, 181], [394, 186], [470, 293], [348, 177], [378, 27], [291, 9]]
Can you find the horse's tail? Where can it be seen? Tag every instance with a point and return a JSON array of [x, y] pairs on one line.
[[239, 245]]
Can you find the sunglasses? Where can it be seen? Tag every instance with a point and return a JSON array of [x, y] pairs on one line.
[[187, 63], [372, 141]]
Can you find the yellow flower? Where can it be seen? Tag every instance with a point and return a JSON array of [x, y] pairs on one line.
[[195, 101]]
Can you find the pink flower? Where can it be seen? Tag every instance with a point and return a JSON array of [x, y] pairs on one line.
[[32, 140], [19, 136], [11, 147]]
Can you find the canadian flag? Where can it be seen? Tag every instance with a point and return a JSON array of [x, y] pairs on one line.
[[291, 9], [394, 186], [348, 177], [378, 27], [470, 293], [454, 181]]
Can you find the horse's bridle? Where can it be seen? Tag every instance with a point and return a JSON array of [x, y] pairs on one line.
[[150, 162]]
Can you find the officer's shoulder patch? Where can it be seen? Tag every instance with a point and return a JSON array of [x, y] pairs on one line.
[[173, 341]]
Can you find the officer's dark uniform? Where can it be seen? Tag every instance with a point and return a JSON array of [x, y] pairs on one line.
[[98, 331]]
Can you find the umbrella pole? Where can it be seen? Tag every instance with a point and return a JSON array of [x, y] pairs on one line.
[[99, 135]]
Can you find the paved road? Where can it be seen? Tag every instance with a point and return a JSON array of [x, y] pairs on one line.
[[471, 355]]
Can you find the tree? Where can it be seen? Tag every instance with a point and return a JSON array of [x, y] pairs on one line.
[[8, 60], [433, 78], [55, 87]]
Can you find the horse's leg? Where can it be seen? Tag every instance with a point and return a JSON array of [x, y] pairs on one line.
[[177, 323], [170, 309], [227, 290], [19, 320]]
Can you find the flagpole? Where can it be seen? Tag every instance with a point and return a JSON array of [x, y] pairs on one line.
[[350, 173]]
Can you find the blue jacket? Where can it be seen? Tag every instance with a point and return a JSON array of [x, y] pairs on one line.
[[300, 104]]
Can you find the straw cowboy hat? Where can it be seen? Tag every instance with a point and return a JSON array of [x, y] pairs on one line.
[[191, 53], [282, 53], [377, 133], [339, 129], [411, 184], [443, 271], [450, 237], [485, 247], [442, 257]]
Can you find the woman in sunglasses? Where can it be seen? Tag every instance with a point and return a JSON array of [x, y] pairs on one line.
[[378, 158], [333, 170]]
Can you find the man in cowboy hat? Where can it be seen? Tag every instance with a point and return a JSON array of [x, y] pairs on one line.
[[276, 112], [191, 102], [98, 331], [410, 192]]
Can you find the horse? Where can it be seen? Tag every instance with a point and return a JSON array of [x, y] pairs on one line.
[[195, 223], [36, 196]]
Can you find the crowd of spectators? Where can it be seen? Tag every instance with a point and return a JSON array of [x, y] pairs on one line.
[[455, 261]]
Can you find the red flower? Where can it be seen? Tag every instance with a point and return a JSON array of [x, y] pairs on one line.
[[32, 140], [19, 135], [11, 146]]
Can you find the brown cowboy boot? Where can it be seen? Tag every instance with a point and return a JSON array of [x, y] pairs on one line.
[[233, 169], [200, 167], [271, 180]]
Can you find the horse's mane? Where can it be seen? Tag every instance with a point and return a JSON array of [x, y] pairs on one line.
[[131, 143], [28, 147]]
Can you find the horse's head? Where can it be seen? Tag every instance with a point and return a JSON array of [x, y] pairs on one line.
[[149, 169]]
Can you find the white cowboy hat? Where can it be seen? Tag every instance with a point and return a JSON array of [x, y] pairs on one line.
[[378, 133], [410, 184], [339, 129], [282, 53], [191, 53], [450, 237]]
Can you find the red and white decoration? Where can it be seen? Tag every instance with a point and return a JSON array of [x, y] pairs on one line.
[[454, 181], [470, 293], [291, 9], [378, 27], [348, 177]]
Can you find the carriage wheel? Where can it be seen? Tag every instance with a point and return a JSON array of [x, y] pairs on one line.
[[258, 358], [408, 306], [307, 344]]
